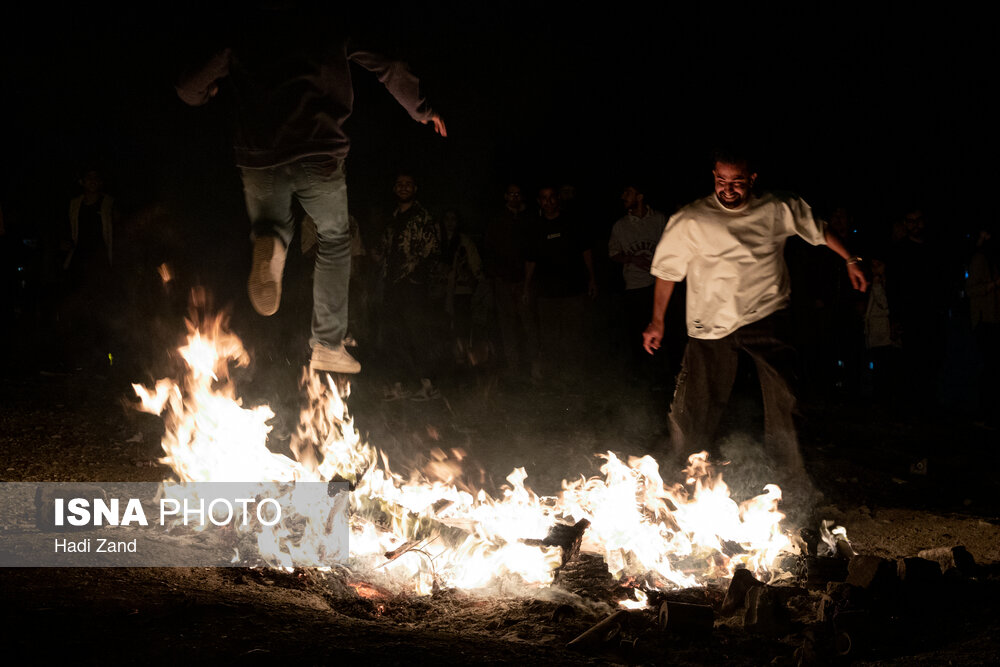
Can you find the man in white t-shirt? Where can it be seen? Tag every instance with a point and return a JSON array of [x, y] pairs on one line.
[[729, 247], [631, 243]]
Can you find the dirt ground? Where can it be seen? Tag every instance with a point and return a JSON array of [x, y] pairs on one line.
[[897, 485]]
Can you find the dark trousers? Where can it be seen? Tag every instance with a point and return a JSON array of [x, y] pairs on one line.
[[708, 372], [516, 324], [562, 344], [409, 331]]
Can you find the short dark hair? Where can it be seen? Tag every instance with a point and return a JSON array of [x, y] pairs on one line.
[[639, 184], [734, 154]]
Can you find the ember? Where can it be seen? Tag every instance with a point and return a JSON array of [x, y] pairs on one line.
[[366, 591]]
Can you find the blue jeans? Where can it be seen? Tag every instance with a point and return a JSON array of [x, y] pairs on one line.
[[318, 185]]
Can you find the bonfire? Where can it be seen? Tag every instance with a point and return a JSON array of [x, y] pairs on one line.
[[428, 529]]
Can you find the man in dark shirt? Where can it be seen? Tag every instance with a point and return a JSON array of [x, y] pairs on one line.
[[559, 274], [289, 68], [503, 261], [410, 255]]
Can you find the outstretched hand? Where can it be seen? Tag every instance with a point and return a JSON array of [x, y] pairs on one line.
[[438, 124]]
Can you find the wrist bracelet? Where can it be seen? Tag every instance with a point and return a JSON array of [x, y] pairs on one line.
[[853, 260]]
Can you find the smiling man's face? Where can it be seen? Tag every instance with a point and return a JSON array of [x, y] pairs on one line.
[[733, 183]]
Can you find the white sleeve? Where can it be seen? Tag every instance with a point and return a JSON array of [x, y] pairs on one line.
[[673, 252], [799, 220]]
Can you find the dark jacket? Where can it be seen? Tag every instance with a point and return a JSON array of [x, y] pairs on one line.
[[290, 73]]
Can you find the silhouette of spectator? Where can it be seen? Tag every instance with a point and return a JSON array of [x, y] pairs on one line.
[[289, 64], [917, 307], [983, 288], [90, 291], [830, 313], [559, 274], [632, 242], [410, 256], [881, 340], [503, 262], [467, 297], [729, 247], [91, 228]]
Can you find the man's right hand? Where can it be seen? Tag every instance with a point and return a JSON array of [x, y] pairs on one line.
[[652, 336]]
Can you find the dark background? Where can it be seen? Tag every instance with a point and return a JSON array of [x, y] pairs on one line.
[[875, 106]]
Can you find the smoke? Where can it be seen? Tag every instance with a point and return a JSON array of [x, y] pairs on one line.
[[746, 466]]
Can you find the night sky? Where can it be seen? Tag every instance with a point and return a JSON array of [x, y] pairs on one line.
[[874, 106]]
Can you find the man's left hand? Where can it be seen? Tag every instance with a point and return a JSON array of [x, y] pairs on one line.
[[857, 276], [438, 125]]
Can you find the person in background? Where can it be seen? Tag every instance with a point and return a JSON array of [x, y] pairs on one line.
[[410, 256], [632, 242], [503, 262], [91, 295], [467, 300], [559, 274], [983, 288]]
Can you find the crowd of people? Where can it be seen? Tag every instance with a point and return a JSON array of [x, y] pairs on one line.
[[539, 294]]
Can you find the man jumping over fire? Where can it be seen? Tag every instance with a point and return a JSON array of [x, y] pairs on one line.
[[289, 69], [729, 247]]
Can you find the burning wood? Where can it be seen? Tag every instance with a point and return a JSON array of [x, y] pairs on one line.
[[411, 545], [836, 539], [743, 580], [564, 536]]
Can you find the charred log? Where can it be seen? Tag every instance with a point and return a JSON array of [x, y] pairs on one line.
[[686, 619], [743, 580], [818, 571], [951, 559], [765, 612], [871, 573], [918, 571], [564, 536], [603, 634], [587, 575]]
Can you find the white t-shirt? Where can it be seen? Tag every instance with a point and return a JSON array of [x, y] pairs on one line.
[[633, 235], [733, 259]]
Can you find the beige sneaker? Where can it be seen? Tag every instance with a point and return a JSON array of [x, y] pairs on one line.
[[336, 360], [264, 285]]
